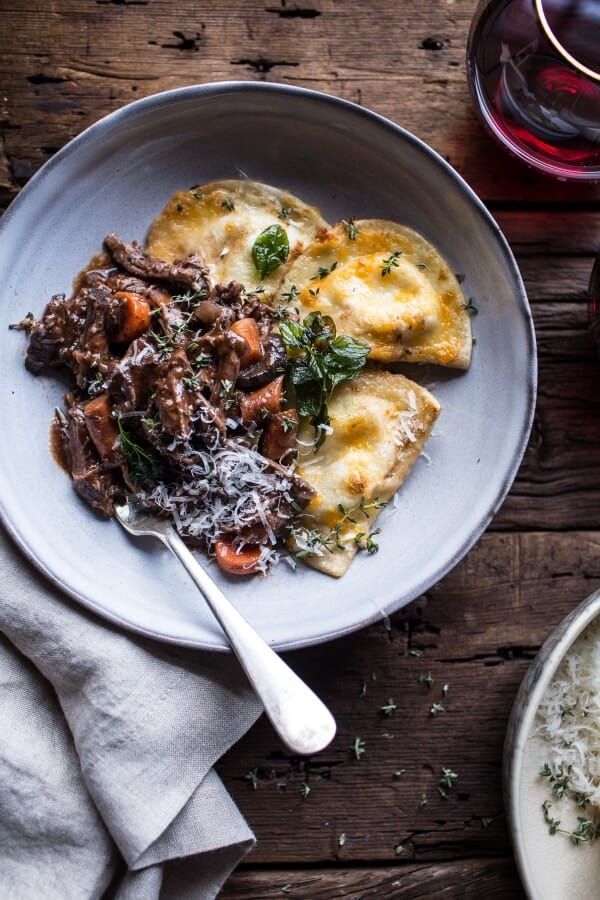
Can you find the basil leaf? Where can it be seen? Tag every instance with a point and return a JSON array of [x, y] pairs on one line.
[[308, 398], [270, 249], [293, 334], [346, 359]]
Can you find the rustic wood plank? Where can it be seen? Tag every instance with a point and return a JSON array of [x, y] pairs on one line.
[[477, 631], [64, 67], [493, 879]]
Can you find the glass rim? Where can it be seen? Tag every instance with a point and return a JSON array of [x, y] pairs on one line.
[[539, 7]]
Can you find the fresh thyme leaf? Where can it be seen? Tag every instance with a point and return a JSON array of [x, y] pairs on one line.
[[305, 790], [390, 263], [470, 307], [427, 679], [398, 774], [366, 541], [586, 832], [140, 461], [288, 423], [285, 212], [341, 839], [252, 777], [399, 849], [423, 266], [323, 272], [486, 821], [291, 295], [436, 709], [358, 747], [363, 689], [197, 195], [416, 652], [553, 824], [351, 229], [448, 779], [270, 249], [445, 689], [228, 204], [423, 801], [388, 708], [286, 888]]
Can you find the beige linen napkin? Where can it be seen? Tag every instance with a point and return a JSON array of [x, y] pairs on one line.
[[107, 744]]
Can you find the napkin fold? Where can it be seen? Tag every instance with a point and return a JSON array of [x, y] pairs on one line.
[[107, 743]]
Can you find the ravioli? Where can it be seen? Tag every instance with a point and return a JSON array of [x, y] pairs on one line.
[[381, 422], [386, 284], [222, 219]]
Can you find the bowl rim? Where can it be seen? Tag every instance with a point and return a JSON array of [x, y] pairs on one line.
[[523, 712], [145, 105]]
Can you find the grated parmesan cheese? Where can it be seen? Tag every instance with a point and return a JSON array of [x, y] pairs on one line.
[[405, 422], [568, 719]]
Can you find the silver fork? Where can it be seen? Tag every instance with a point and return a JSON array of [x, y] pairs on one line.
[[301, 720]]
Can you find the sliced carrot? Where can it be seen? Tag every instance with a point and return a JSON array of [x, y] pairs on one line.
[[134, 317], [248, 329], [279, 434], [103, 429], [237, 562], [266, 399]]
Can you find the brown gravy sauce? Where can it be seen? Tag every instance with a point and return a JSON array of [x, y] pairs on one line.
[[56, 446]]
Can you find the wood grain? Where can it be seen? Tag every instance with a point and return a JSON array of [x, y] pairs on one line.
[[477, 632], [462, 880], [67, 63]]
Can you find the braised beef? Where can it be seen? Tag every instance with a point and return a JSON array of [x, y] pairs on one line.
[[190, 273], [150, 414]]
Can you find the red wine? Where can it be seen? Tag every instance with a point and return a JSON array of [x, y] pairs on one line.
[[542, 105]]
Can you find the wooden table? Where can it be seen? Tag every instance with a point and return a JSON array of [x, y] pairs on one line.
[[68, 62]]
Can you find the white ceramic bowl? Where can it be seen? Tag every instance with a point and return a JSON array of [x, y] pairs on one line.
[[550, 868], [350, 162]]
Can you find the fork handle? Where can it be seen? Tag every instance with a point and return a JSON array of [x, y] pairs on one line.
[[301, 720]]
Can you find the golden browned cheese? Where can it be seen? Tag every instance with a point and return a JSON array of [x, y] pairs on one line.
[[381, 422], [388, 286], [222, 219]]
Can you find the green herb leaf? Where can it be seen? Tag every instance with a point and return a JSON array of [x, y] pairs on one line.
[[390, 263], [228, 204], [351, 229], [270, 249], [140, 461]]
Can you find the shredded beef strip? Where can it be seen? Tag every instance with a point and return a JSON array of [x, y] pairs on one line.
[[190, 273]]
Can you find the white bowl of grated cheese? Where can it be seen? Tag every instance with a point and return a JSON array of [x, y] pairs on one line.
[[552, 763]]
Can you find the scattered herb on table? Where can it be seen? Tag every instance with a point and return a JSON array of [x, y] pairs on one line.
[[252, 777], [447, 782], [399, 849], [341, 839], [398, 773], [358, 747], [436, 709], [427, 679], [388, 708], [423, 801], [270, 249], [305, 790]]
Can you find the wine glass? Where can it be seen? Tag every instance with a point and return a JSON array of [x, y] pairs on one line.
[[534, 73]]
